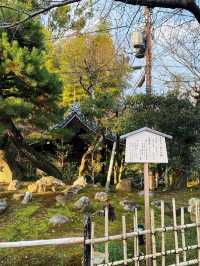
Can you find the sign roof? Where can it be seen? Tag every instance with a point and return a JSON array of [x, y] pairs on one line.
[[145, 129]]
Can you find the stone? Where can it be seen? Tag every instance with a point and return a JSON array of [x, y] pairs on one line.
[[72, 191], [80, 181], [101, 196], [14, 185], [5, 171], [61, 200], [3, 205], [59, 220], [97, 185], [18, 196], [27, 197], [82, 204], [129, 205], [99, 258], [156, 203], [46, 183], [125, 185], [193, 203]]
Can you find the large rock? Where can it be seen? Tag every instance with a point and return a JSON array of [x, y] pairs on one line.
[[5, 171], [124, 185], [80, 181], [46, 183], [61, 200], [101, 196], [129, 205], [14, 185], [27, 197], [3, 205], [59, 220], [82, 204], [72, 191], [193, 204]]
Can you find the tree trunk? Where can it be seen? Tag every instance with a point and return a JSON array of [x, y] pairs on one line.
[[14, 136], [84, 160], [10, 157]]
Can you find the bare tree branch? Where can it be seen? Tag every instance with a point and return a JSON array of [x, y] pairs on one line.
[[189, 5], [37, 13]]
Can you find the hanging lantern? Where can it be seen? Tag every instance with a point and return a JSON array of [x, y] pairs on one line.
[[139, 43]]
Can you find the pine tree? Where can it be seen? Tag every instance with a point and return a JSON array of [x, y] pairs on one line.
[[28, 91]]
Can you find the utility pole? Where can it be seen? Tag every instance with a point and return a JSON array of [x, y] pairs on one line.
[[148, 53], [148, 78]]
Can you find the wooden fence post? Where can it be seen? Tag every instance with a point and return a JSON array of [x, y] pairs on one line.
[[87, 235]]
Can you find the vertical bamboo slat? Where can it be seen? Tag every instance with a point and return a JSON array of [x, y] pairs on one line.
[[92, 245], [183, 234], [124, 239], [153, 238], [175, 231], [106, 235], [198, 231], [163, 233], [136, 242]]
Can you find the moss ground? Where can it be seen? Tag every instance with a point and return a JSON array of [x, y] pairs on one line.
[[28, 222]]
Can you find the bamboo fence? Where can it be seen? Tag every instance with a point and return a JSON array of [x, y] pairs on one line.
[[178, 231], [158, 255]]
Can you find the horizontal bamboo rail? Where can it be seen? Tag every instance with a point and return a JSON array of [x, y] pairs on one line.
[[185, 263], [47, 242], [139, 233], [158, 254], [80, 240]]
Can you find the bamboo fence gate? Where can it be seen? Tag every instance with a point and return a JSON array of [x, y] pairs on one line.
[[158, 257]]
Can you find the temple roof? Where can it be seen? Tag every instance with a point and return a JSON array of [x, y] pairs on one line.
[[75, 118]]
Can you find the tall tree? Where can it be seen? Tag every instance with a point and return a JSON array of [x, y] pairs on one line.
[[88, 63], [169, 114]]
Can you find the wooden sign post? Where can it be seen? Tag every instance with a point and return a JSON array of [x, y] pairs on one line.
[[146, 146]]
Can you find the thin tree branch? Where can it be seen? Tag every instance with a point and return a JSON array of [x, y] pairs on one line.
[[37, 13]]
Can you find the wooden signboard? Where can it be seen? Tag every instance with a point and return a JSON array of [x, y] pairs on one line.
[[146, 146]]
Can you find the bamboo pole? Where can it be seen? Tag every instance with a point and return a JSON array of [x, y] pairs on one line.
[[124, 239], [163, 233], [147, 212], [87, 235], [92, 244], [136, 242], [106, 235], [198, 231], [111, 166], [175, 231], [183, 234], [153, 238]]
